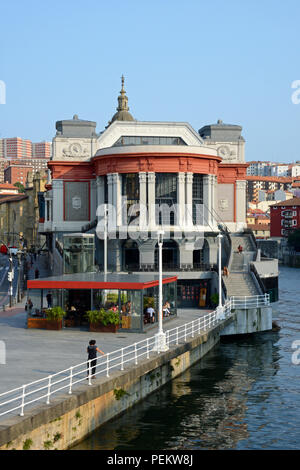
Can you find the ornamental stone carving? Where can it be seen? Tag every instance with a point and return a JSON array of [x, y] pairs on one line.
[[75, 150], [223, 204]]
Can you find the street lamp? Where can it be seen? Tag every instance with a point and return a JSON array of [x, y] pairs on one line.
[[220, 309], [160, 338]]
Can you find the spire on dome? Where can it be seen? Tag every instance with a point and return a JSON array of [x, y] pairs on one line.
[[122, 113]]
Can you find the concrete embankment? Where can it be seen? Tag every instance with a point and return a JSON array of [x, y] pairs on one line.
[[68, 419]]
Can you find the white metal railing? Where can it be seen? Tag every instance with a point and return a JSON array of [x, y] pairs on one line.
[[244, 302], [65, 380]]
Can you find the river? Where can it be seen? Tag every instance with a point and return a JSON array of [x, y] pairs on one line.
[[245, 394]]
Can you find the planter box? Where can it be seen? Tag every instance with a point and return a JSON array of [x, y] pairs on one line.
[[70, 323], [37, 323], [98, 328], [53, 324]]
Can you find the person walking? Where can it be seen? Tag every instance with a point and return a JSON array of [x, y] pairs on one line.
[[49, 299], [92, 358], [36, 273]]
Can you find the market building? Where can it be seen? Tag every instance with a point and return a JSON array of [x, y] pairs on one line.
[[151, 176]]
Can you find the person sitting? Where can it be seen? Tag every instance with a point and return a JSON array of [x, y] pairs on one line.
[[128, 307], [166, 311], [151, 314]]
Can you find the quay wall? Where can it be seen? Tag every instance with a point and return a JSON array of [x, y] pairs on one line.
[[68, 419], [251, 320]]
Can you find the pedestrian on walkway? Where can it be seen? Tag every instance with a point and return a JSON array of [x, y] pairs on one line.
[[36, 273], [49, 299], [240, 248], [92, 358]]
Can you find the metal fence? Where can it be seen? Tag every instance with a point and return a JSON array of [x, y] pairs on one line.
[[65, 381]]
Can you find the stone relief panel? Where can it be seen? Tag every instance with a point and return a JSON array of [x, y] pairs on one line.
[[225, 202]]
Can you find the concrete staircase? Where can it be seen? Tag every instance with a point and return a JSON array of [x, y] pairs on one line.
[[240, 281]]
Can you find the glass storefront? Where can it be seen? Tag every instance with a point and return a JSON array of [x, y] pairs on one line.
[[137, 308]]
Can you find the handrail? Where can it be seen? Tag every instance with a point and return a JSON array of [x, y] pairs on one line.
[[257, 277], [43, 389]]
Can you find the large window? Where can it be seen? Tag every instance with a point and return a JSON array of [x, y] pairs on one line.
[[145, 140], [198, 199], [131, 189], [165, 198]]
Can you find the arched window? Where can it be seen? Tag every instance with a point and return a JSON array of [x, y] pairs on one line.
[[169, 255], [198, 199], [131, 189], [165, 197]]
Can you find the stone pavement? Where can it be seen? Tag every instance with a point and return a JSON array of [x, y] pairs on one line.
[[33, 354]]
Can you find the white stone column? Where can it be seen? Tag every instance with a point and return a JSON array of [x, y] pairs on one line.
[[189, 201], [240, 197], [116, 191], [58, 201], [143, 201], [151, 201], [181, 200], [110, 188]]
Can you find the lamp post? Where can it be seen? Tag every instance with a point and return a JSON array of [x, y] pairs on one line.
[[220, 310], [160, 337], [105, 242]]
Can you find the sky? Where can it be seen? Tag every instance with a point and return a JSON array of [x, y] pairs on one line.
[[193, 61]]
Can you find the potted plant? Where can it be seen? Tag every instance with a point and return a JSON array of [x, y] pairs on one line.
[[54, 317], [214, 299], [105, 321]]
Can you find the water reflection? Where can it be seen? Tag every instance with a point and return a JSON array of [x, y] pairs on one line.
[[243, 395]]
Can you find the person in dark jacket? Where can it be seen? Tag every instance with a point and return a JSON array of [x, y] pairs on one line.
[[92, 358]]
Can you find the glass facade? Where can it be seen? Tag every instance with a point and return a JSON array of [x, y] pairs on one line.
[[131, 189], [198, 199], [165, 198], [137, 309], [145, 140], [79, 253]]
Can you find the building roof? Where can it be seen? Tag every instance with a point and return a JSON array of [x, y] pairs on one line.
[[98, 281], [261, 227], [13, 198], [295, 201], [221, 132], [275, 179], [8, 186]]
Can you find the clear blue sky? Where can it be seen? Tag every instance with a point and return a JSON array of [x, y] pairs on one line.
[[194, 61]]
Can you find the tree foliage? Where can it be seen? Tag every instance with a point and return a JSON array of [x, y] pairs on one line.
[[20, 187]]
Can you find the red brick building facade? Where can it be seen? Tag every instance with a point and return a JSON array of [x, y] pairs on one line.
[[285, 217]]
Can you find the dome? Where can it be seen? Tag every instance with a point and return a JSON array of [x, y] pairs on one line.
[[122, 113]]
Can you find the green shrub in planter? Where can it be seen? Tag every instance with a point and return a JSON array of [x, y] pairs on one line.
[[214, 299], [55, 313], [93, 316], [103, 317]]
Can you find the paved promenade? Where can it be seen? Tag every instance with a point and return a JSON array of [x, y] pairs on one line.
[[33, 354]]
